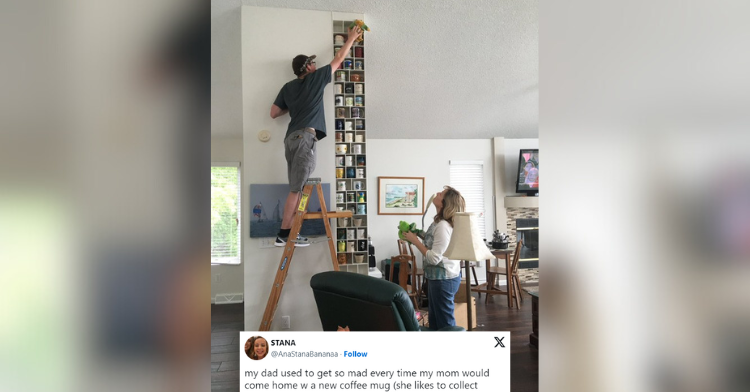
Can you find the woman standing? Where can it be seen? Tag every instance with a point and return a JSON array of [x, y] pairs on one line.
[[443, 275]]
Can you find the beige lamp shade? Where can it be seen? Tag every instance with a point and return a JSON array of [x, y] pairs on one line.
[[466, 243]]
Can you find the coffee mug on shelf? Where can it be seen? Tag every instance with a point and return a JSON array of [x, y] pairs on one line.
[[341, 148]]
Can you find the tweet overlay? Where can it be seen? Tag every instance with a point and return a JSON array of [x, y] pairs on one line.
[[375, 361]]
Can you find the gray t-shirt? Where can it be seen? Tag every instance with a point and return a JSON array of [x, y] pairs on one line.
[[304, 99]]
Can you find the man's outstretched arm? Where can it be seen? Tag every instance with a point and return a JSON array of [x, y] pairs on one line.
[[354, 33], [277, 111]]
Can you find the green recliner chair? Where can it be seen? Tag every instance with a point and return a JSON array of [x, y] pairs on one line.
[[364, 303]]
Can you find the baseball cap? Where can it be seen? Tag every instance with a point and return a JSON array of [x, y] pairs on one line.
[[301, 62]]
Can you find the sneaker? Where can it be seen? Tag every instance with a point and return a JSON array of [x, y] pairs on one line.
[[279, 242], [299, 242]]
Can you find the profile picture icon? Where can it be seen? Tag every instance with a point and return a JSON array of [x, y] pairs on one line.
[[256, 347]]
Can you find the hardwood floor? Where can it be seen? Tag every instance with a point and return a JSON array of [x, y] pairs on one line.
[[226, 323], [228, 320], [524, 359]]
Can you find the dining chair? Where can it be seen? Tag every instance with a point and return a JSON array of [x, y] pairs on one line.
[[406, 268], [407, 249], [512, 280]]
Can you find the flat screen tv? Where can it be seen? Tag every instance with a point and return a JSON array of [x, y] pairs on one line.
[[528, 172]]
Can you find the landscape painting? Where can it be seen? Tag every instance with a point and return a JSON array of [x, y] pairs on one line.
[[400, 195], [267, 201]]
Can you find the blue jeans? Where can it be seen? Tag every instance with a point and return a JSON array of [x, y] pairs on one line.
[[440, 294]]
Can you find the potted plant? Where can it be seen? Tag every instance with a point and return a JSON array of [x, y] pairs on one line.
[[499, 240]]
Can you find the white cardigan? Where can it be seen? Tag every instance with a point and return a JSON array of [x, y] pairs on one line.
[[437, 266]]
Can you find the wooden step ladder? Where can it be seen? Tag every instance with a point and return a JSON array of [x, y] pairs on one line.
[[286, 258]]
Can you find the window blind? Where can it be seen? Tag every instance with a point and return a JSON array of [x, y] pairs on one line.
[[225, 213], [468, 178]]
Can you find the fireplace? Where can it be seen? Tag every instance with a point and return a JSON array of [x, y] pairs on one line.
[[527, 229]]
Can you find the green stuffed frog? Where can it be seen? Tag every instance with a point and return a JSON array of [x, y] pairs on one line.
[[404, 227]]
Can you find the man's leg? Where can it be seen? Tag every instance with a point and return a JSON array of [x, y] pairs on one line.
[[299, 150], [290, 207]]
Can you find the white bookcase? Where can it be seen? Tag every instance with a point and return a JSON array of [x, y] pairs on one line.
[[351, 153]]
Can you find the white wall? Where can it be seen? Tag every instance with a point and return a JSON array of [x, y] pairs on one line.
[[420, 158], [512, 148], [228, 279]]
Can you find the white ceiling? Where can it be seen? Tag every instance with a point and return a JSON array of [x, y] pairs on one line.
[[449, 69]]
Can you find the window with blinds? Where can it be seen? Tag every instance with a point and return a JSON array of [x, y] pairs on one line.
[[225, 213], [468, 178]]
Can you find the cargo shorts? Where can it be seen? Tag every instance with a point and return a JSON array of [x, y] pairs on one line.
[[299, 150]]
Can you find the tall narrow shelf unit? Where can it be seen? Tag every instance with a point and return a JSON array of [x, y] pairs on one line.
[[351, 153]]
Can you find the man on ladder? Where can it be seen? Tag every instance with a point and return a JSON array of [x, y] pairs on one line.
[[302, 98]]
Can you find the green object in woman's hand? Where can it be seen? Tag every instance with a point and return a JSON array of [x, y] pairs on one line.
[[404, 227]]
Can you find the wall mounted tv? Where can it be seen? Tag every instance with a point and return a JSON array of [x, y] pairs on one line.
[[528, 172]]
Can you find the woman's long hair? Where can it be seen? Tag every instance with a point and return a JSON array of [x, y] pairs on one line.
[[249, 346], [453, 202]]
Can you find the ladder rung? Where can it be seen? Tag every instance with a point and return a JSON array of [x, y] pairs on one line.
[[337, 214], [313, 181]]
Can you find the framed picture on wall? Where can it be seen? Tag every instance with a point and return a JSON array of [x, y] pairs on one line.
[[400, 195]]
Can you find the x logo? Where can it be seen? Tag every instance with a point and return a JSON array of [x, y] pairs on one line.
[[499, 341]]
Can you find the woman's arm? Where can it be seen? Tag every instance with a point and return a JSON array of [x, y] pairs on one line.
[[441, 239], [411, 237]]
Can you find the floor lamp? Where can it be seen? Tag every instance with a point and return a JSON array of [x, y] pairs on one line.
[[466, 244]]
